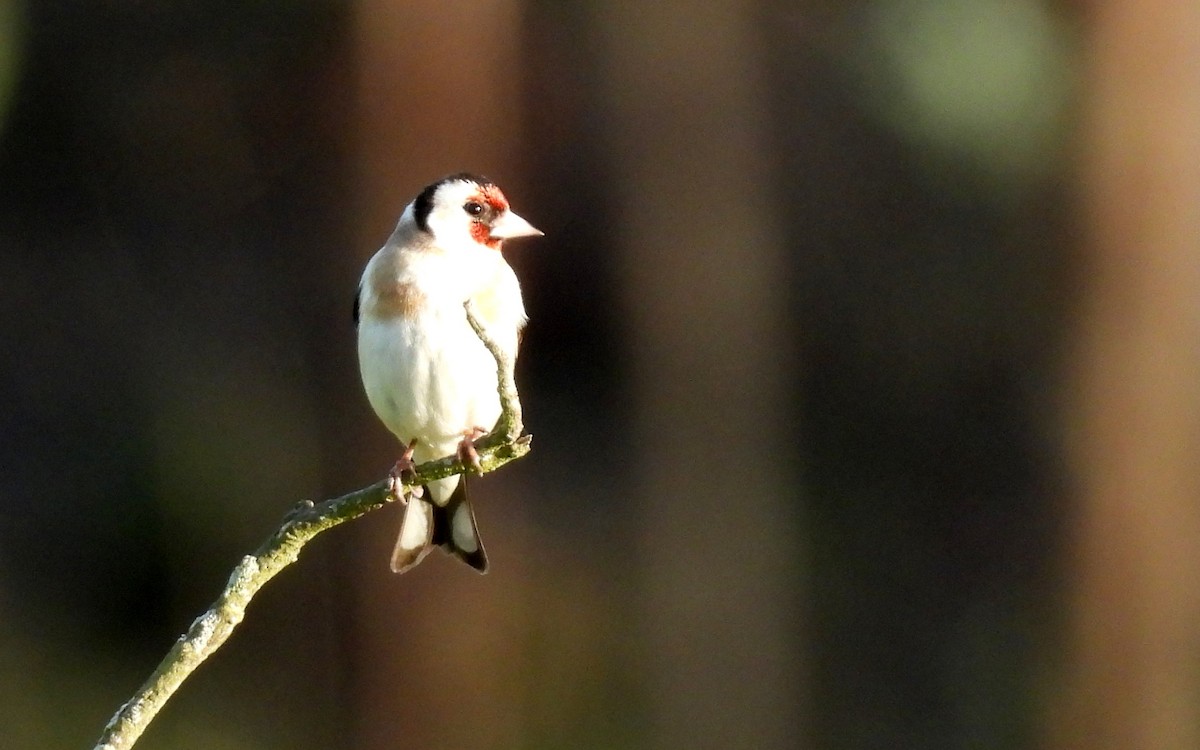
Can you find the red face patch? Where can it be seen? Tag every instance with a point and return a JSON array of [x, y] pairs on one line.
[[491, 195], [496, 203], [482, 234]]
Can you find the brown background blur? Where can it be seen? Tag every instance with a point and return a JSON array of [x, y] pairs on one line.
[[863, 370]]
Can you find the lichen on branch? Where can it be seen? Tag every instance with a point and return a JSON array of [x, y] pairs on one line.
[[210, 630]]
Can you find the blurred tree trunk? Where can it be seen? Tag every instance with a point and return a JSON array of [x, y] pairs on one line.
[[438, 92], [705, 293], [1134, 680]]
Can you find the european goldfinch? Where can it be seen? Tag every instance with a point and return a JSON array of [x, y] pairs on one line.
[[427, 375]]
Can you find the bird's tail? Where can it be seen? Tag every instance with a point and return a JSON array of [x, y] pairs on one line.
[[451, 526]]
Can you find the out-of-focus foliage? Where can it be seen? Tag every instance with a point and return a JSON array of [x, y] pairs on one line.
[[12, 30], [986, 83], [188, 192]]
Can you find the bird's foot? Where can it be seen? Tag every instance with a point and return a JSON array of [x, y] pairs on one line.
[[396, 477], [466, 448]]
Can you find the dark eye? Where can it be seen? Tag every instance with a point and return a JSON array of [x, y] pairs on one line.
[[473, 208]]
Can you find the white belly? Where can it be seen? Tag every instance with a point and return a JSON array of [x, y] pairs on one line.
[[429, 379]]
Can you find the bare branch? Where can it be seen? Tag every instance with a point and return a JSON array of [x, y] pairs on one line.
[[210, 630]]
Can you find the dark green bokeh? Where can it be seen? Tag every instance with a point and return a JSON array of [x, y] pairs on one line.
[[176, 182]]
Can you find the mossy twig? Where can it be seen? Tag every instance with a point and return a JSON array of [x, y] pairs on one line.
[[210, 630]]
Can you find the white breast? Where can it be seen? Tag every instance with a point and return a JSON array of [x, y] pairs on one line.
[[428, 376]]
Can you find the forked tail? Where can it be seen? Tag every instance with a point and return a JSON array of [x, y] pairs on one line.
[[427, 525]]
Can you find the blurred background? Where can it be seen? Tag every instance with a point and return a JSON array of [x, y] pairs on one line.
[[863, 371]]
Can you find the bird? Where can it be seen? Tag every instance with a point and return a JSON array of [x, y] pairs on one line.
[[427, 375]]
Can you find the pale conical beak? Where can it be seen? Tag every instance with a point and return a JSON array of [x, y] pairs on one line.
[[508, 225]]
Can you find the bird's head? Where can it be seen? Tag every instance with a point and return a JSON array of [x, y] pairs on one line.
[[465, 209]]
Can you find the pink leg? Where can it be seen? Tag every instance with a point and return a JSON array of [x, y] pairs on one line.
[[466, 449], [403, 464]]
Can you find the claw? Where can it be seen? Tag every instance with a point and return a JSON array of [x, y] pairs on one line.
[[396, 477], [466, 448]]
